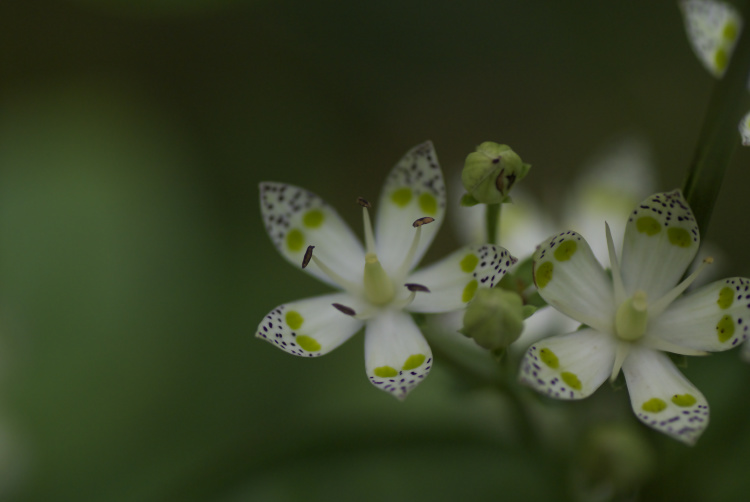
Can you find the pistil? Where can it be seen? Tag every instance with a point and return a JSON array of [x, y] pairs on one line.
[[631, 317]]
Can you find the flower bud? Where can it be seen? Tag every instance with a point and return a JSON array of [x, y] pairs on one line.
[[494, 319], [491, 171]]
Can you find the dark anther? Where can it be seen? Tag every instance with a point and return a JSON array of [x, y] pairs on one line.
[[363, 202], [422, 221], [417, 287], [344, 309], [308, 256]]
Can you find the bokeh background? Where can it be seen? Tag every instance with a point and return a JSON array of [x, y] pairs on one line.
[[134, 267]]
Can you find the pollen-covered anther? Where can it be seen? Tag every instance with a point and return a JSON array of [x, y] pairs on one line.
[[308, 256], [422, 221], [344, 309], [417, 288], [364, 202]]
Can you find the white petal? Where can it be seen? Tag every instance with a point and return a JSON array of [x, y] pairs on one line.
[[661, 239], [310, 327], [296, 218], [712, 28], [745, 129], [715, 317], [454, 280], [570, 279], [413, 189], [570, 366], [662, 397], [544, 323], [397, 357]]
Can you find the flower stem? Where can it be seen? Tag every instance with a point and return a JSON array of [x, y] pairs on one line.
[[719, 136], [492, 221]]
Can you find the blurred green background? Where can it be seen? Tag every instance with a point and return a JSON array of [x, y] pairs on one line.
[[134, 267]]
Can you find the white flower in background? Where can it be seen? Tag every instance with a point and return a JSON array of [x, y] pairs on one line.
[[635, 315], [745, 129], [377, 282], [713, 29]]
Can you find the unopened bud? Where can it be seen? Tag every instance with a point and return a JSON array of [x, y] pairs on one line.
[[494, 319], [491, 171]]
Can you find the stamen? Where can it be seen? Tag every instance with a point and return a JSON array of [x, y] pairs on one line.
[[363, 202], [417, 287], [665, 301], [621, 353], [414, 288], [619, 289], [422, 221], [344, 309], [406, 264], [308, 256], [665, 346], [369, 236]]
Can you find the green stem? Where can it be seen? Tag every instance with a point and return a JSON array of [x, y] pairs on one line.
[[492, 219], [719, 136]]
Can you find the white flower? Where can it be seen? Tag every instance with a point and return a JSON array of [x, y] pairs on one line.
[[635, 315], [377, 282], [713, 29]]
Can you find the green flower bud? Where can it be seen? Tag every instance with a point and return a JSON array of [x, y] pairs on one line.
[[491, 171], [494, 319]]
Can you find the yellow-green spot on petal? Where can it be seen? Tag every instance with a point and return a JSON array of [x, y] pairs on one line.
[[648, 225], [721, 59], [469, 263], [679, 237], [385, 372], [543, 274], [294, 319], [725, 328], [654, 405], [726, 298], [469, 291], [684, 400], [414, 361], [295, 240], [313, 218], [428, 203], [565, 250], [401, 197], [549, 358], [308, 343], [730, 31], [571, 379]]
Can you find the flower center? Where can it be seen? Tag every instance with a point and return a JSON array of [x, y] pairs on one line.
[[379, 288], [631, 317]]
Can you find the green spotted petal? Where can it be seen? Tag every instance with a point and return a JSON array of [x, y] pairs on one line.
[[570, 279], [662, 397], [713, 318], [570, 366], [454, 280], [310, 327], [713, 28], [413, 189], [397, 357], [296, 218], [661, 239]]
